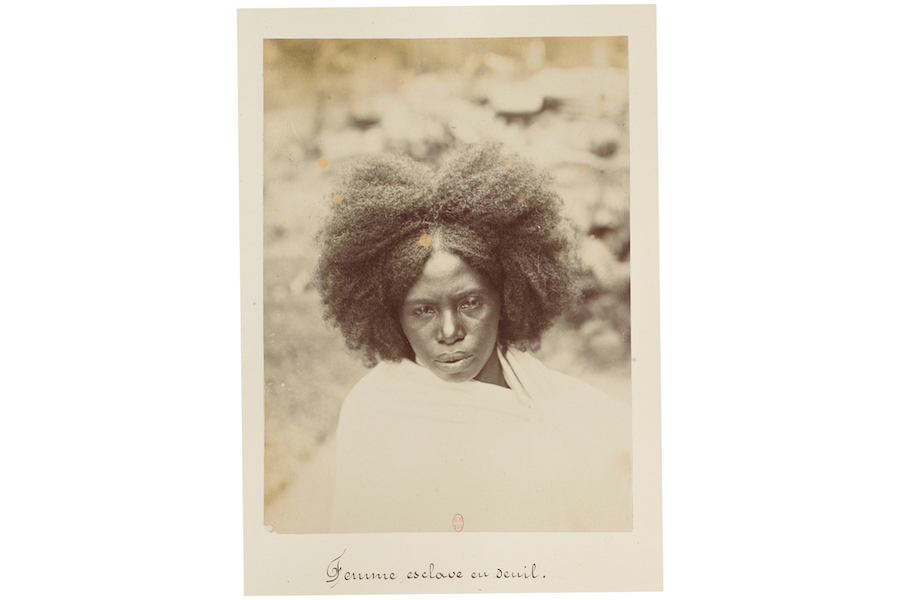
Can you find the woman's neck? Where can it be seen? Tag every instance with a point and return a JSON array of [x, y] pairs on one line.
[[492, 372]]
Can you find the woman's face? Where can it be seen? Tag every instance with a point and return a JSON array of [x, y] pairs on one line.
[[451, 317]]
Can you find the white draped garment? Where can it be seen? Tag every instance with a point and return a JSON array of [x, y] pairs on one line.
[[550, 453]]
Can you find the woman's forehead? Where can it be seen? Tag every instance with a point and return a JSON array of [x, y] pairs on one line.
[[447, 275]]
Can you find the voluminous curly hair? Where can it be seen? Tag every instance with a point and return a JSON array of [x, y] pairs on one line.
[[496, 212]]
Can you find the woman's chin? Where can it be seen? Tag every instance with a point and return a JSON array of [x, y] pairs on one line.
[[456, 372], [454, 377]]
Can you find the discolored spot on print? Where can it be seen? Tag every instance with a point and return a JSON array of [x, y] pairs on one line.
[[425, 240], [337, 199], [323, 163]]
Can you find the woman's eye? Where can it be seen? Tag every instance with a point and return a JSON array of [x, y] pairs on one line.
[[422, 311], [471, 303]]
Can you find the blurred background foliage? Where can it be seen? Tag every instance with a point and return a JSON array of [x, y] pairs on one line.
[[561, 102]]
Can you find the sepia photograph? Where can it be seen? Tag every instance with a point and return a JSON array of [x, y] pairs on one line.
[[419, 300], [450, 298], [447, 285]]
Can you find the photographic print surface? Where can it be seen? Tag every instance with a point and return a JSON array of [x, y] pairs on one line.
[[560, 104], [424, 192]]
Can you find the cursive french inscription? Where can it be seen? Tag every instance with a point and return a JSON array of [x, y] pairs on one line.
[[335, 573]]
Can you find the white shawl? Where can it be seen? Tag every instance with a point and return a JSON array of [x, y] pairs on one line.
[[549, 454]]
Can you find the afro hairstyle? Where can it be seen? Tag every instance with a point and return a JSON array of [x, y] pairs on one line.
[[495, 211]]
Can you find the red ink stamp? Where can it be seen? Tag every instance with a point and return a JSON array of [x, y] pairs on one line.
[[458, 522]]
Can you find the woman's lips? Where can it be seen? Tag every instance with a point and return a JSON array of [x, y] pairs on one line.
[[452, 363]]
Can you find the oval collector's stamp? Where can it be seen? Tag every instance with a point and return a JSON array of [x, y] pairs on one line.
[[458, 522]]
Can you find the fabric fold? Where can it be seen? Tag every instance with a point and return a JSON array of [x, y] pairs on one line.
[[548, 454]]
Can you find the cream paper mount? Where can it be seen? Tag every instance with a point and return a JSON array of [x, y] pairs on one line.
[[319, 86]]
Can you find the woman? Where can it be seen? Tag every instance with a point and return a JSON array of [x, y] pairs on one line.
[[444, 281]]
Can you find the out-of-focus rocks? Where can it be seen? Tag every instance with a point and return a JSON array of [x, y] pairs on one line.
[[516, 101], [604, 265], [366, 113], [593, 91], [469, 123], [501, 65], [615, 197], [418, 134], [603, 137], [535, 54], [343, 144], [603, 340]]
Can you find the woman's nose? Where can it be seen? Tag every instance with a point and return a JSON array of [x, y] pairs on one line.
[[450, 327]]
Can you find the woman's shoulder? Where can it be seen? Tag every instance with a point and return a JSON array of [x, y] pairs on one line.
[[577, 410], [566, 389], [377, 378], [387, 381]]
